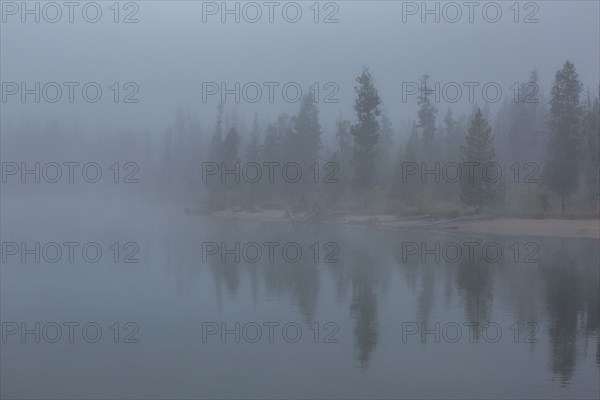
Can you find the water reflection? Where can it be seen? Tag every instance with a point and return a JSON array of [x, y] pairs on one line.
[[558, 294], [571, 288], [370, 290], [364, 302], [474, 282]]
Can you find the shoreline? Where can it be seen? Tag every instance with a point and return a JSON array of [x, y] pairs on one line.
[[482, 224]]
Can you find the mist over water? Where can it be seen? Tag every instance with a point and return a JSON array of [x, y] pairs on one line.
[[343, 199]]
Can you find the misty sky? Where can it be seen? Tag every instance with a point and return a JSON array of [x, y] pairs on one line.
[[170, 52]]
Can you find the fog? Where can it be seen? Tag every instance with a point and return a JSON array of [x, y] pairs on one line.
[[393, 181], [170, 52]]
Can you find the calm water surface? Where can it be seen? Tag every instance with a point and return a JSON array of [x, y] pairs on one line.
[[371, 313]]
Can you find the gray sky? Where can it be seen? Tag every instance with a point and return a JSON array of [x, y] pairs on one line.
[[170, 52]]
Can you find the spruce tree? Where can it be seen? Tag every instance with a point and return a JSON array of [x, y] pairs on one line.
[[591, 146], [561, 171], [478, 188], [427, 112], [405, 187], [231, 148], [365, 133], [306, 133], [385, 145], [253, 146], [344, 140], [252, 154], [215, 149], [343, 155]]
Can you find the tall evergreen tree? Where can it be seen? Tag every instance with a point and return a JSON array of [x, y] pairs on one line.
[[304, 141], [591, 146], [405, 188], [272, 150], [216, 143], [231, 148], [273, 144], [344, 139], [522, 126], [477, 188], [385, 146], [253, 146], [561, 171], [427, 112], [365, 132], [343, 156], [454, 135], [252, 154]]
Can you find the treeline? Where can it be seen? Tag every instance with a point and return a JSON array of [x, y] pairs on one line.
[[535, 158]]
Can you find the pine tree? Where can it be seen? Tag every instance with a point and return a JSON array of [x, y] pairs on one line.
[[271, 145], [253, 146], [591, 146], [215, 149], [305, 142], [404, 188], [385, 145], [343, 156], [412, 151], [453, 136], [427, 112], [231, 148], [522, 126], [561, 171], [477, 188], [252, 154], [276, 134], [344, 140], [365, 132]]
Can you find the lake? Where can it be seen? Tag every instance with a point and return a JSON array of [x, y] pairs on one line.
[[145, 302]]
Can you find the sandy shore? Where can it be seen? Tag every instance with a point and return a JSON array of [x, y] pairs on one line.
[[535, 227], [570, 228]]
